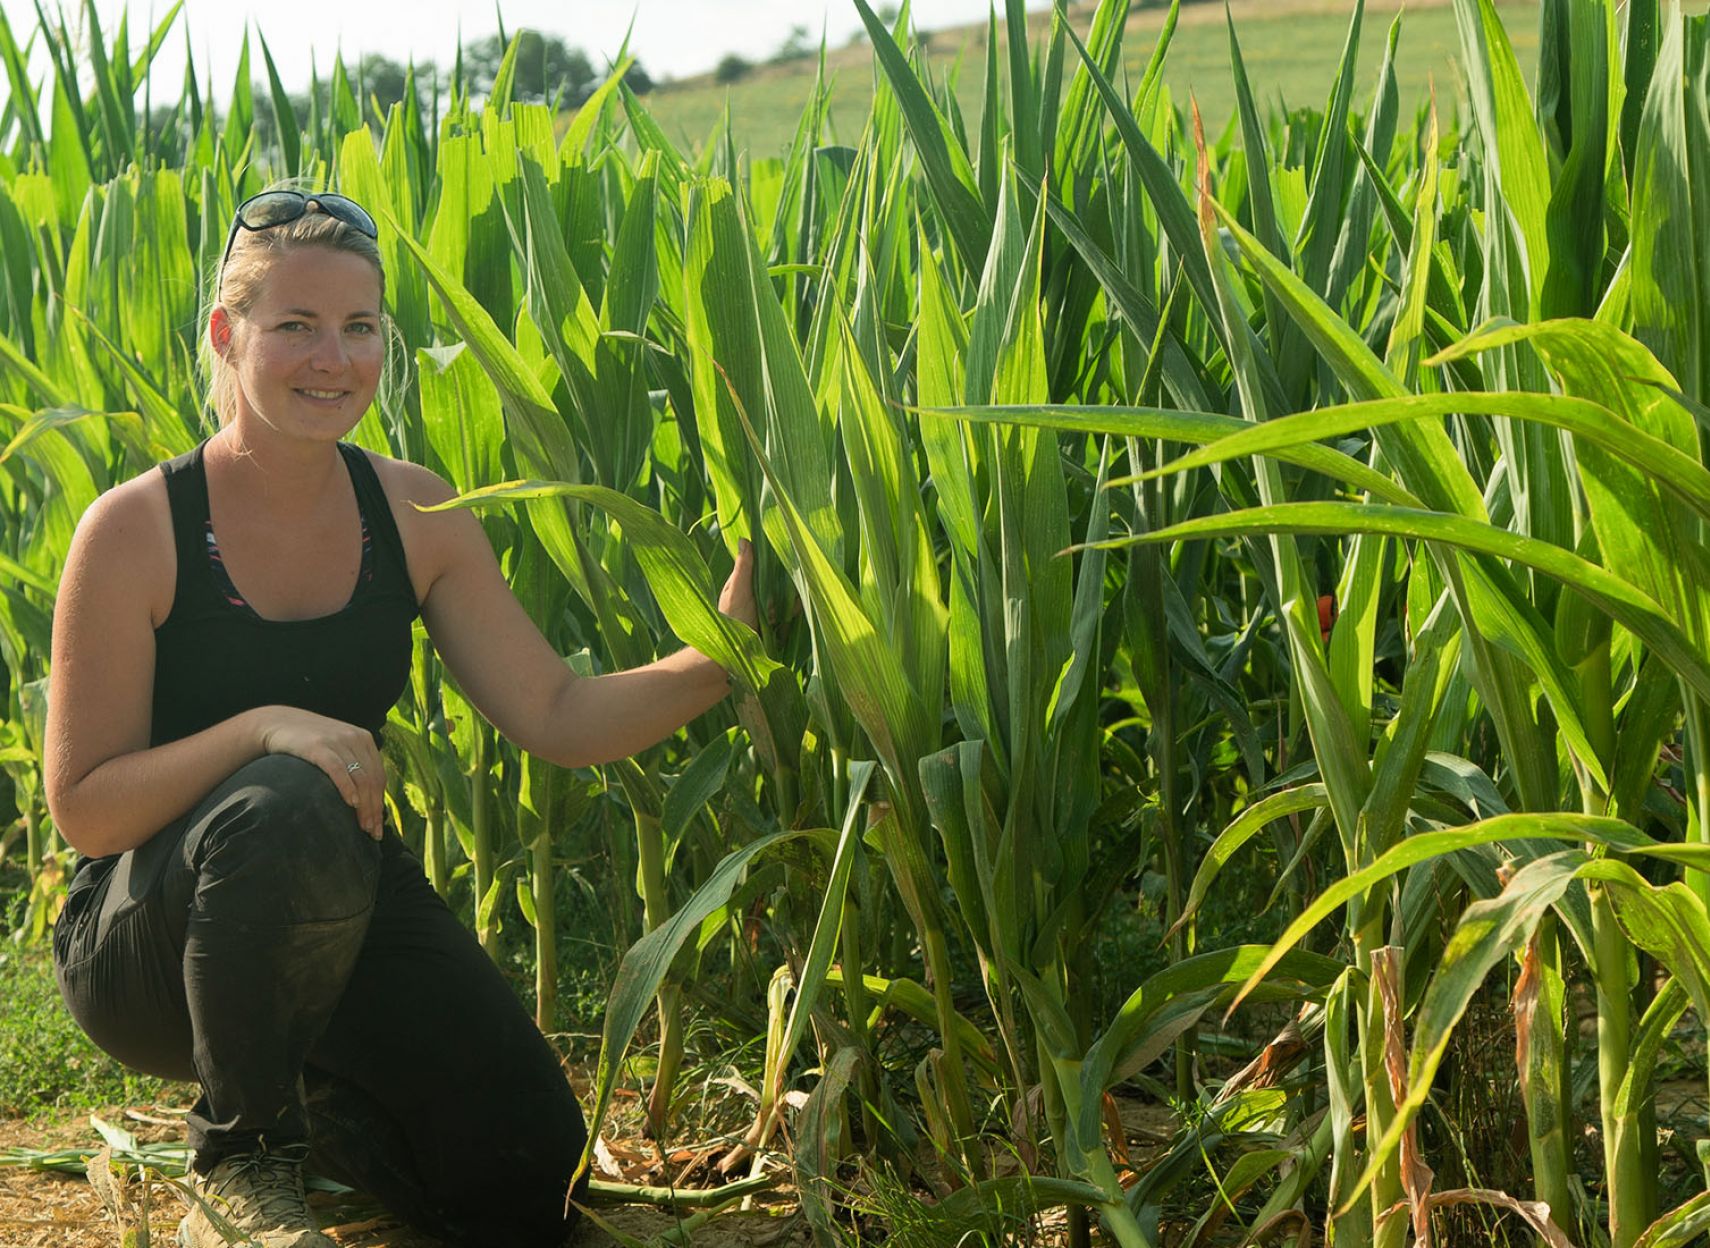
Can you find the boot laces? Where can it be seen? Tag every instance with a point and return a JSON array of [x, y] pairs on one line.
[[263, 1190]]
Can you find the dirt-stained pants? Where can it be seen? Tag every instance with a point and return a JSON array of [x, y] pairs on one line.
[[314, 984]]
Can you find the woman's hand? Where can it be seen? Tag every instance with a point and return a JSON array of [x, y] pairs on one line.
[[345, 752], [736, 599]]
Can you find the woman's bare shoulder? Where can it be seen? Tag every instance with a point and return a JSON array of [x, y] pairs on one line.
[[409, 483], [423, 534], [126, 535]]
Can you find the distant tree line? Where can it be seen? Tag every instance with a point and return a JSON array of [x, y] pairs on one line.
[[548, 71]]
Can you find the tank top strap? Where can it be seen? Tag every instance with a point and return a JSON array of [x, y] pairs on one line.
[[187, 496], [376, 510]]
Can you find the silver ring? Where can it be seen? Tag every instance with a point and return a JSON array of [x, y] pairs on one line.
[[353, 766]]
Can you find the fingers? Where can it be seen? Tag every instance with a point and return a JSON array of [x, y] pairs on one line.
[[356, 770], [736, 599], [370, 776], [346, 753]]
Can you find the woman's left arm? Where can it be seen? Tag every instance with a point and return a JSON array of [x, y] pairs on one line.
[[514, 677]]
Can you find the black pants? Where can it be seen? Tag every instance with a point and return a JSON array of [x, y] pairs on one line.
[[313, 983]]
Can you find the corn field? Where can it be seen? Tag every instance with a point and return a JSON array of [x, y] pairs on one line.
[[1321, 503]]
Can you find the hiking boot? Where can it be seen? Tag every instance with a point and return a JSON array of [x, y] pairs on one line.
[[253, 1198]]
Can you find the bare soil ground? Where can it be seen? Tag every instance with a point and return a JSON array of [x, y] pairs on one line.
[[42, 1209]]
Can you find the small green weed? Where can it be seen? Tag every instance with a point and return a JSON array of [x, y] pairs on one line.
[[47, 1065]]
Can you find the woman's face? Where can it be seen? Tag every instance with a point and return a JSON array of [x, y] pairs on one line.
[[309, 352]]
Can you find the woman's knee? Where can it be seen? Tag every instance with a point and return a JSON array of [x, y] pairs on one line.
[[282, 833]]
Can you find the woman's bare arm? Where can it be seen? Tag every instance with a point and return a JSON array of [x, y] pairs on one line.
[[514, 677]]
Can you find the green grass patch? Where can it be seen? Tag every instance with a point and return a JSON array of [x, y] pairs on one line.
[[48, 1067]]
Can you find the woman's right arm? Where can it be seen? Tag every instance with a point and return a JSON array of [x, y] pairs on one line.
[[107, 790]]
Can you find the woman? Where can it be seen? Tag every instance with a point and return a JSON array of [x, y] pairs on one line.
[[229, 635]]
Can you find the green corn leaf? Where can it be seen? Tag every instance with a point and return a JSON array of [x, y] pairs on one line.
[[1320, 225], [168, 430], [1135, 307], [869, 675], [1077, 121], [1502, 109], [23, 96], [1587, 419], [462, 416], [1401, 755], [118, 123], [1668, 922], [1641, 528], [991, 1202], [989, 168], [1165, 193], [239, 131], [1610, 833], [581, 128], [699, 784], [1665, 1010], [1618, 598], [539, 433], [643, 970], [1402, 354], [823, 944], [1686, 1224], [1176, 426], [818, 1135], [914, 1000], [1426, 461], [1024, 94], [680, 579], [1488, 932], [1354, 243], [1221, 969], [284, 114], [46, 388], [1668, 313], [954, 187], [1248, 824], [1260, 194]]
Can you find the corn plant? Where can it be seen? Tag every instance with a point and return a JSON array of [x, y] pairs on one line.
[[1128, 501]]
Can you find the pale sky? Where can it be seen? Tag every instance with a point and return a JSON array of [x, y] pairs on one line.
[[672, 38]]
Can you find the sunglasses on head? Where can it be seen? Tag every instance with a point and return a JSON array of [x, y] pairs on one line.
[[271, 208]]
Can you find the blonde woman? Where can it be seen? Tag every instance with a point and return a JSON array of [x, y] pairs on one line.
[[231, 630]]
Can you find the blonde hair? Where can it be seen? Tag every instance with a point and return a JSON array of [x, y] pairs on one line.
[[237, 285]]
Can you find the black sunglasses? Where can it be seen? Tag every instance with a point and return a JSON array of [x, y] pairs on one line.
[[271, 208]]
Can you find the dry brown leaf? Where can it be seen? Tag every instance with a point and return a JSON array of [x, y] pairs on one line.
[[153, 1120], [738, 1083], [1416, 1176], [362, 1227], [1535, 1213], [691, 1161], [1272, 1063], [605, 1160], [99, 1170], [1525, 1006], [1116, 1133], [1027, 1113], [1274, 1229]]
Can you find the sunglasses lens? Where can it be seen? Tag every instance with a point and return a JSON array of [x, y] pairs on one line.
[[271, 208], [350, 212]]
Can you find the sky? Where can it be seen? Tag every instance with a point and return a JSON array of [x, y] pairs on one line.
[[672, 38]]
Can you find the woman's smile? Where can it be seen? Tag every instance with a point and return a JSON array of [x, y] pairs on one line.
[[333, 397]]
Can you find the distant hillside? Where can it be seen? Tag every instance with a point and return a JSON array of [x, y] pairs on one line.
[[1291, 49]]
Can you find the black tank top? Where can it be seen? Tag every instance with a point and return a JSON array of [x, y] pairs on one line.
[[215, 658]]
